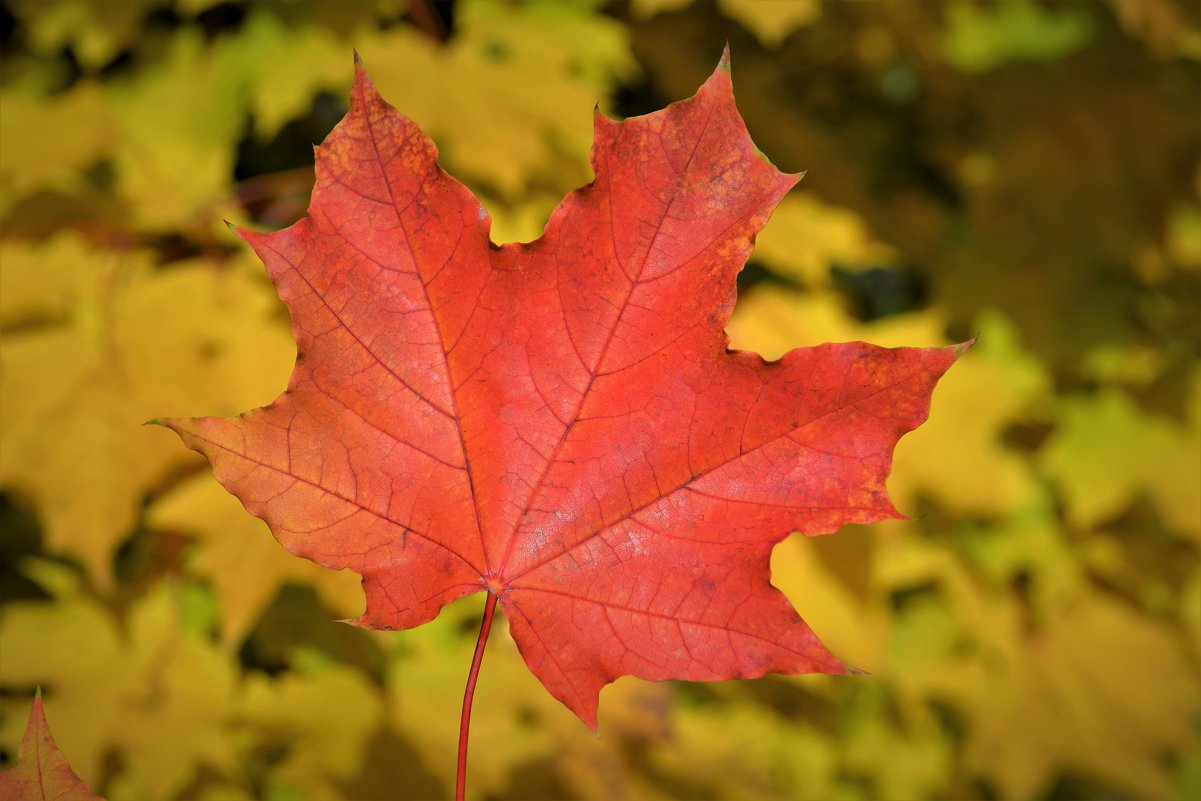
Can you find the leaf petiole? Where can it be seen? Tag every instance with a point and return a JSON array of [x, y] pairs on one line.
[[469, 693]]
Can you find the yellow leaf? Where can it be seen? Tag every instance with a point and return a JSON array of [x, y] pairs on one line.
[[159, 699], [239, 557], [851, 626], [520, 221], [1101, 690], [772, 320], [35, 288], [770, 20], [920, 754], [47, 140], [513, 86], [324, 718], [806, 237], [178, 124], [1061, 682], [743, 751], [282, 68], [1105, 452], [773, 21], [70, 648], [96, 33], [957, 456], [983, 36], [74, 395]]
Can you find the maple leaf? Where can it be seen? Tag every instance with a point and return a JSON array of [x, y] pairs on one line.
[[560, 423], [42, 772]]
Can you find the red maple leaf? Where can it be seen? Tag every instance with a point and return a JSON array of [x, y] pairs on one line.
[[560, 423], [42, 772]]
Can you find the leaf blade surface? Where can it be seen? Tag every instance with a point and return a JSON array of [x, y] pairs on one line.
[[561, 422]]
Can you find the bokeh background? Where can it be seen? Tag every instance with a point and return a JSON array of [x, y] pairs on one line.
[[1026, 171]]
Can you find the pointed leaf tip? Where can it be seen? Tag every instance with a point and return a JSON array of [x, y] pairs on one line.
[[723, 63], [358, 60], [236, 230], [41, 769]]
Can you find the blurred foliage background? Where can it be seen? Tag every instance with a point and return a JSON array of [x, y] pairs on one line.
[[1026, 171]]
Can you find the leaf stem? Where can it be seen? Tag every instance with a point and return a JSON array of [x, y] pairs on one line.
[[469, 693]]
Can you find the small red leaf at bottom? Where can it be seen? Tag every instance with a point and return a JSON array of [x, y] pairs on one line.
[[42, 772]]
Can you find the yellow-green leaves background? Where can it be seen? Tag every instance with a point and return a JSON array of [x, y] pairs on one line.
[[1025, 172]]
